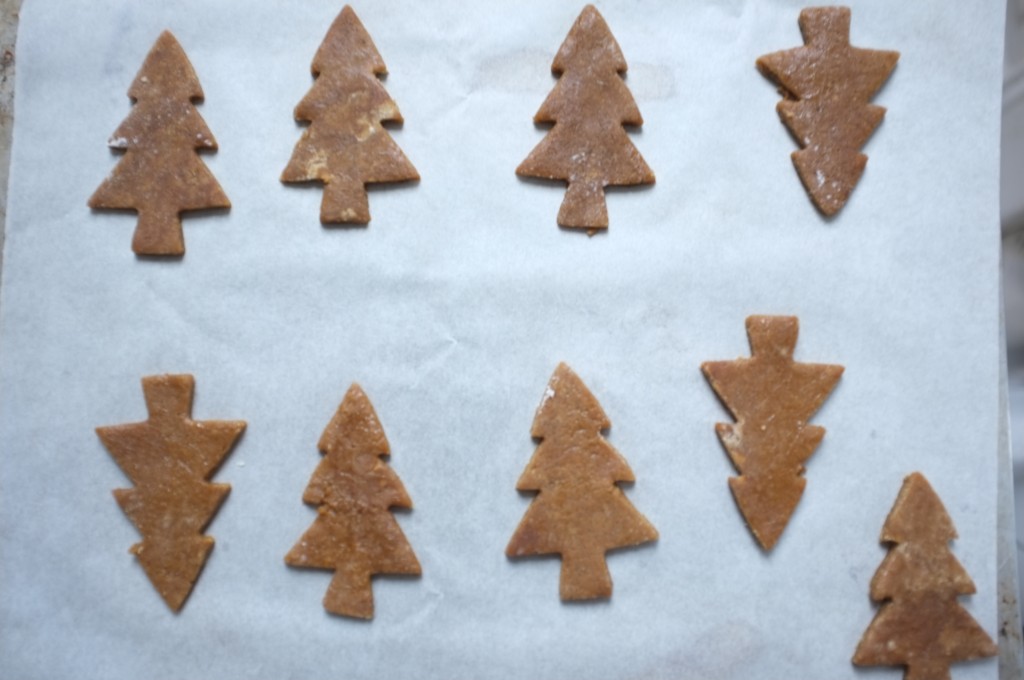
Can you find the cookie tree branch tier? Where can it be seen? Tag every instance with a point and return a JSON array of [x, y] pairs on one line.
[[169, 459], [579, 512], [588, 146], [161, 175], [354, 534], [772, 398], [827, 86], [346, 146], [920, 624]]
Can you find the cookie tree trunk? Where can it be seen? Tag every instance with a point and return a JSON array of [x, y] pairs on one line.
[[346, 145], [344, 202], [354, 534], [161, 174], [584, 205], [588, 146], [584, 576], [579, 511]]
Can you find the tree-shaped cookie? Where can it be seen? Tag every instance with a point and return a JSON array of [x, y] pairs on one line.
[[772, 398], [920, 624], [579, 512], [169, 459], [827, 86], [161, 175], [588, 146], [354, 534], [346, 146]]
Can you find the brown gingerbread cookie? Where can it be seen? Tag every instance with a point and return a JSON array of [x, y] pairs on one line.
[[161, 175], [579, 512], [346, 146], [827, 86], [920, 624], [169, 459], [354, 534], [772, 398], [588, 146]]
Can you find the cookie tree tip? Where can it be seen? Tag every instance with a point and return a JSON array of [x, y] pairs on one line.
[[346, 145], [161, 174], [920, 624], [827, 86], [355, 535], [588, 146], [579, 512], [170, 458]]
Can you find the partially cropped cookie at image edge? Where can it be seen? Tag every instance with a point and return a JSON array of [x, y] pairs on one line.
[[920, 624]]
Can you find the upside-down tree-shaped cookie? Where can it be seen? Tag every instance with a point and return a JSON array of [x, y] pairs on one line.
[[772, 399], [920, 624], [580, 512], [354, 534], [827, 86], [346, 146], [588, 146], [161, 175], [169, 459]]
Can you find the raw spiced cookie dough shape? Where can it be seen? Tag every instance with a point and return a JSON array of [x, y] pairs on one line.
[[579, 512], [920, 624], [354, 534], [161, 174], [588, 146], [170, 458], [827, 86], [772, 397], [346, 146]]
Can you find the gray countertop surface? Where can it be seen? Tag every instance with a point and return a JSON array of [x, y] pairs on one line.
[[8, 32]]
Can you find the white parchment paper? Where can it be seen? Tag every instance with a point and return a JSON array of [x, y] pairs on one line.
[[453, 308]]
